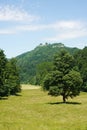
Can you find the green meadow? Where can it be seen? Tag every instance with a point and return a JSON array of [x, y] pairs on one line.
[[33, 109]]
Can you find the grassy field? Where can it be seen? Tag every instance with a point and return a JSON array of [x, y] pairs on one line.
[[35, 110]]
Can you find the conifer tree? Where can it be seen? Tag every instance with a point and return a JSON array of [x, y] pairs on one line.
[[9, 76], [13, 79], [4, 90]]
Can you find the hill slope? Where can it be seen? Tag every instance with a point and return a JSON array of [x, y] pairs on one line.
[[29, 61]]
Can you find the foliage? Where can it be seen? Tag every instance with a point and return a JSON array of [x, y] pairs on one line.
[[81, 61], [4, 91], [9, 76], [13, 79], [64, 80], [42, 70], [30, 62]]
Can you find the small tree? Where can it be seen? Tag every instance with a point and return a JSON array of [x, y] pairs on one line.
[[64, 80]]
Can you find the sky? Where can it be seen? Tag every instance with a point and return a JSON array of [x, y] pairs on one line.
[[24, 24]]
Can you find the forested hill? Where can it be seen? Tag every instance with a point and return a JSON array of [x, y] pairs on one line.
[[30, 62]]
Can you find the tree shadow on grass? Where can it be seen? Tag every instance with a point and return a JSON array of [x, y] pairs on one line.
[[4, 98], [72, 103], [17, 94]]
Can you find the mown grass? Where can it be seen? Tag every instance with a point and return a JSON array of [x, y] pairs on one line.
[[35, 110]]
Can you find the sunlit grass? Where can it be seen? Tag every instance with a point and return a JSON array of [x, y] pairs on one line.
[[28, 86], [35, 110]]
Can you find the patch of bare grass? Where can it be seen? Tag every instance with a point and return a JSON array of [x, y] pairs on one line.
[[28, 86]]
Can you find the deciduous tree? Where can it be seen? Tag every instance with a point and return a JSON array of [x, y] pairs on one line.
[[64, 80]]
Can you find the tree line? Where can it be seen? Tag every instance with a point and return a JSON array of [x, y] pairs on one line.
[[32, 62], [9, 76], [80, 61], [64, 75]]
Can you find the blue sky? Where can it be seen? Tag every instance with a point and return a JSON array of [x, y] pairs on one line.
[[24, 24]]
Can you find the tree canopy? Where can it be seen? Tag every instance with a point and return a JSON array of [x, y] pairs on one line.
[[64, 80], [4, 91], [81, 61], [43, 54], [13, 79], [9, 76]]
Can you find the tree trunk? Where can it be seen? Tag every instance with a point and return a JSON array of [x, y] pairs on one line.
[[64, 98]]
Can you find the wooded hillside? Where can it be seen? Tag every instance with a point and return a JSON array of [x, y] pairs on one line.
[[34, 63]]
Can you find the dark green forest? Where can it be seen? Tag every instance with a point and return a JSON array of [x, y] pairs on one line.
[[9, 76], [81, 61], [36, 64], [32, 67]]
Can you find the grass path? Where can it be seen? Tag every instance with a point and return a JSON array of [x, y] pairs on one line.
[[35, 110], [24, 87]]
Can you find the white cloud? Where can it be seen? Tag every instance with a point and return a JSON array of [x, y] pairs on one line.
[[6, 31], [61, 25], [67, 24], [68, 30], [67, 35], [61, 30], [32, 27], [11, 13]]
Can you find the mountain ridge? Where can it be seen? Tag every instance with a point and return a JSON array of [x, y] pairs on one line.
[[29, 61]]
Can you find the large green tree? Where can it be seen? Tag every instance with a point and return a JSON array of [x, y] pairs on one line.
[[4, 90], [64, 80], [9, 76]]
